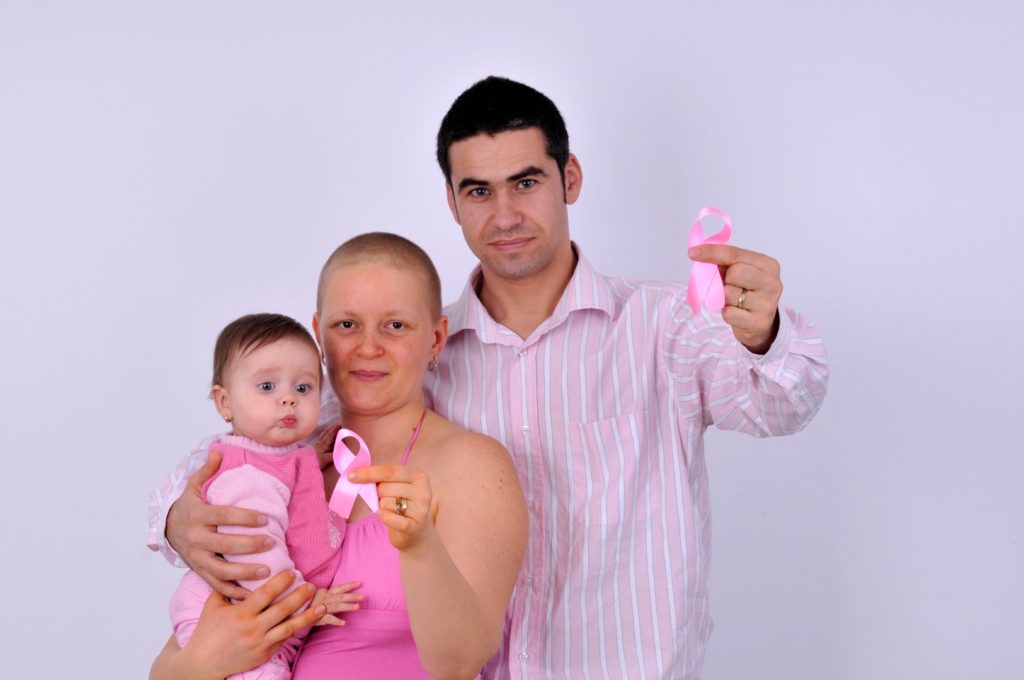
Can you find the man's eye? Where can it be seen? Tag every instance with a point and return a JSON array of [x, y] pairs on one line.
[[527, 183], [478, 192], [303, 388], [346, 324], [396, 325], [265, 386]]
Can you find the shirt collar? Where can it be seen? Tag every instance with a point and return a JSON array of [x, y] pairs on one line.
[[587, 289]]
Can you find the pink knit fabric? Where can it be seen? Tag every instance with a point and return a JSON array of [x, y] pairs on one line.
[[286, 485]]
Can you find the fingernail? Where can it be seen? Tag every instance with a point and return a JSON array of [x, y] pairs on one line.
[[351, 476], [320, 610], [268, 542], [261, 519], [694, 252], [262, 572]]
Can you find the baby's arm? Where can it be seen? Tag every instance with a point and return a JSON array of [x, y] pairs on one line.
[[251, 488]]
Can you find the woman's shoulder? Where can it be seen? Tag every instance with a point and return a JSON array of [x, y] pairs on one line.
[[462, 453]]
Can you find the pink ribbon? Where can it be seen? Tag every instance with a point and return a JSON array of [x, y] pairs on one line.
[[345, 492], [705, 280]]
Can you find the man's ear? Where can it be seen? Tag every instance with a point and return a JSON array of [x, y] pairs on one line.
[[451, 202], [573, 181], [316, 331]]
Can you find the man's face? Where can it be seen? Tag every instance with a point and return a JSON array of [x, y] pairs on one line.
[[510, 200]]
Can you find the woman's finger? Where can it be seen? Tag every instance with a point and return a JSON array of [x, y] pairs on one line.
[[290, 626], [260, 598]]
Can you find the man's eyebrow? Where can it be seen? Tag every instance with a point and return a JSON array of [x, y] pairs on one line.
[[527, 172], [473, 182]]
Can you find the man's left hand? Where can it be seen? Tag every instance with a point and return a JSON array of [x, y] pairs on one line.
[[752, 292]]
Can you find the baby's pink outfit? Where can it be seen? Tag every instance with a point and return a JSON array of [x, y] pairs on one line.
[[286, 485]]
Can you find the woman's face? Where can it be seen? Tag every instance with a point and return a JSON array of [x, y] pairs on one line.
[[377, 332]]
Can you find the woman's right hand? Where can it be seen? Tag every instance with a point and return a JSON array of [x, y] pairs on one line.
[[231, 638]]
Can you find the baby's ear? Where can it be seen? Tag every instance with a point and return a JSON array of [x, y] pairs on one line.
[[222, 402]]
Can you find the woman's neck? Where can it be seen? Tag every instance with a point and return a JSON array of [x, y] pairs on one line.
[[387, 435]]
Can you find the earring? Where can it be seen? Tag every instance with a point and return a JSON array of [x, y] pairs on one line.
[[433, 364], [227, 418]]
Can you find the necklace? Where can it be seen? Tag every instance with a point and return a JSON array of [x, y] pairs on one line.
[[415, 436]]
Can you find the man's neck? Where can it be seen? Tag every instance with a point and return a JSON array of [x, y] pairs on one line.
[[522, 305]]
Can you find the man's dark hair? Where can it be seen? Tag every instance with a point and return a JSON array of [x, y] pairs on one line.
[[250, 332], [496, 105]]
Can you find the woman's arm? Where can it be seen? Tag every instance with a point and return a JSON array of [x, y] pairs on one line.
[[234, 638], [461, 549]]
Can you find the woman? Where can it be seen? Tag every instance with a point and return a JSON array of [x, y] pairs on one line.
[[439, 561]]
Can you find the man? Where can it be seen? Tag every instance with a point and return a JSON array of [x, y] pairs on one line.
[[601, 389]]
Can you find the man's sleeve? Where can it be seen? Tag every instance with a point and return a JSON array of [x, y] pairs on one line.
[[164, 495], [774, 394]]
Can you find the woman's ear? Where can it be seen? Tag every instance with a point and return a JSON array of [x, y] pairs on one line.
[[440, 336]]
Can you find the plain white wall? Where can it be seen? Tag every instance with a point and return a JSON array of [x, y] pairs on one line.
[[165, 167]]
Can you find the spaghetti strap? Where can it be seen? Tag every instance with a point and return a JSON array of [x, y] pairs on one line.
[[415, 436]]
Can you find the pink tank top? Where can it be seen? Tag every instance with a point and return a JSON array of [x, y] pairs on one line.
[[376, 640]]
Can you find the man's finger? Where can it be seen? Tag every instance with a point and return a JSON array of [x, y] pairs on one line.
[[224, 515], [210, 467], [228, 589], [729, 255]]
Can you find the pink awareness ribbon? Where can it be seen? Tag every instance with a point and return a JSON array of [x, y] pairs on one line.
[[345, 492], [705, 283]]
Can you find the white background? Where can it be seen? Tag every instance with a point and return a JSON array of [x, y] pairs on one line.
[[166, 167]]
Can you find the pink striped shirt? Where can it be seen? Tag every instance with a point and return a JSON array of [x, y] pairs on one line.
[[603, 409]]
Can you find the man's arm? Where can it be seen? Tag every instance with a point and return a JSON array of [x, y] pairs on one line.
[[190, 532], [773, 379]]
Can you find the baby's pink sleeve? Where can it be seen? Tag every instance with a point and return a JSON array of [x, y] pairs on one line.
[[249, 487]]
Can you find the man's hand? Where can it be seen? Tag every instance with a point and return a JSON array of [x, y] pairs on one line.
[[752, 292], [192, 532]]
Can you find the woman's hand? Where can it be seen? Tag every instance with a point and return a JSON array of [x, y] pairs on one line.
[[340, 598], [231, 638], [395, 483]]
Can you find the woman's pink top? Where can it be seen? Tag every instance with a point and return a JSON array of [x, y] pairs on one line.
[[376, 640]]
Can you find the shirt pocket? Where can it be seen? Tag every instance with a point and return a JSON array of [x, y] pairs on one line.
[[610, 474]]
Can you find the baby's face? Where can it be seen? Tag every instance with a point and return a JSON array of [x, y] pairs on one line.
[[273, 393]]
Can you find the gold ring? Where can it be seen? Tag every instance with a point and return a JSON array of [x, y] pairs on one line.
[[743, 298], [401, 506]]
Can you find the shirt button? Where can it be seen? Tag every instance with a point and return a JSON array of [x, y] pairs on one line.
[[523, 354], [525, 429], [528, 581], [523, 656]]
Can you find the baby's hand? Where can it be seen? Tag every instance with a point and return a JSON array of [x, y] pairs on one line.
[[337, 599]]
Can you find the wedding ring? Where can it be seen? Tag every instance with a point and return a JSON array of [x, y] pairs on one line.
[[401, 506], [743, 298]]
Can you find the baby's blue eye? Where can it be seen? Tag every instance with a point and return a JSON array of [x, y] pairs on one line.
[[303, 388], [265, 386]]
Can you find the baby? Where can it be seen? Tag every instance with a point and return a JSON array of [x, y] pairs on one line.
[[266, 384]]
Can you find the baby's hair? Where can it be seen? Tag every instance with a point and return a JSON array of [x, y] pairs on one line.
[[396, 251], [251, 332]]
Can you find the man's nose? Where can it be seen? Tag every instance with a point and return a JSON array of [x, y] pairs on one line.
[[506, 211]]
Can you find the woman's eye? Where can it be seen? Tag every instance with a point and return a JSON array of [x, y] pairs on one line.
[[303, 388], [265, 386]]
